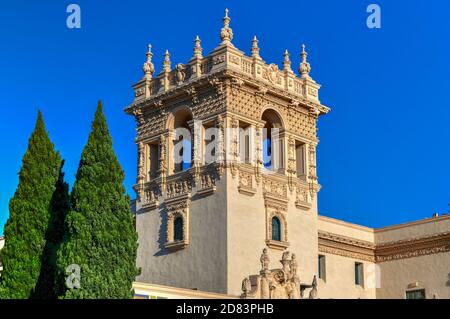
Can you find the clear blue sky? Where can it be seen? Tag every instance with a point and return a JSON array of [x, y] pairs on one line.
[[384, 154]]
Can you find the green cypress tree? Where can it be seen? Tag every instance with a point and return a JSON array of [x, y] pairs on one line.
[[100, 237], [29, 216], [60, 205]]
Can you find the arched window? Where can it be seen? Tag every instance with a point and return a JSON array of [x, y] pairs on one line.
[[182, 145], [178, 229], [272, 143], [276, 229]]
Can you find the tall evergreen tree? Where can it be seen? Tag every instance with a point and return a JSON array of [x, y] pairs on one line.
[[29, 216], [100, 237], [60, 205]]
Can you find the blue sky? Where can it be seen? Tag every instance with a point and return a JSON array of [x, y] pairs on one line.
[[384, 153]]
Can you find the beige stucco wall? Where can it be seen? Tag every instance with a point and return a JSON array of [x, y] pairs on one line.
[[420, 228], [340, 279], [339, 227], [203, 264], [247, 236], [340, 270], [431, 272]]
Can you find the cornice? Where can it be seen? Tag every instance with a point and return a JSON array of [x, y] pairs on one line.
[[364, 250]]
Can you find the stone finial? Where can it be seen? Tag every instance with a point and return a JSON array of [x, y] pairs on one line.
[[198, 48], [287, 62], [226, 34], [304, 68], [148, 66], [255, 48], [166, 63]]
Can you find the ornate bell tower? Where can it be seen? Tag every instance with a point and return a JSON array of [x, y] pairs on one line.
[[226, 166]]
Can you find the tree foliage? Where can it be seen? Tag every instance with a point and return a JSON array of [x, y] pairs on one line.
[[99, 234], [30, 214]]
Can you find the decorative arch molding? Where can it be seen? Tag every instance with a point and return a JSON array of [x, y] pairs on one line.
[[275, 115], [177, 208], [276, 207]]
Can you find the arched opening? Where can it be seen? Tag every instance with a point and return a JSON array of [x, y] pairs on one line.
[[181, 158], [273, 146], [178, 229], [276, 229]]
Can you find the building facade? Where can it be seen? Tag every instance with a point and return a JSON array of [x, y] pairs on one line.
[[227, 167]]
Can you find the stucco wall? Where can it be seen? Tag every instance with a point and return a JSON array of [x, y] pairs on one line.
[[340, 279], [203, 263], [247, 236], [411, 230], [339, 227], [431, 272]]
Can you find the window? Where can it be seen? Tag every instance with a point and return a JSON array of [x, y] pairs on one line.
[[359, 274], [182, 141], [322, 270], [178, 229], [273, 141], [154, 161], [244, 142], [415, 294], [300, 158], [276, 229]]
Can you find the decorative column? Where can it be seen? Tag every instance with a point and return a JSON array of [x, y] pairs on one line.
[[140, 181], [164, 140], [292, 165], [233, 149], [258, 151], [220, 151], [196, 148]]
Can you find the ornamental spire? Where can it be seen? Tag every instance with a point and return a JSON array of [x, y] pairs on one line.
[[287, 62], [198, 48], [255, 48], [166, 63], [226, 34], [148, 66], [304, 68]]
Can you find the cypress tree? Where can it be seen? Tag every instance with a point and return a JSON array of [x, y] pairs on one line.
[[60, 205], [29, 216], [100, 237]]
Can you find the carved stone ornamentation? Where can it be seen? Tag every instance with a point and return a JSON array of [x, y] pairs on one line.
[[281, 283], [180, 73]]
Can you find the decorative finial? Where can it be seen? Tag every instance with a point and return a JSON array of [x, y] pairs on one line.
[[226, 34], [255, 48], [198, 48], [166, 63], [287, 62], [148, 66], [304, 68]]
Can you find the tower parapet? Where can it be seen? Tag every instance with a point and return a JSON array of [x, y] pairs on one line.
[[227, 58]]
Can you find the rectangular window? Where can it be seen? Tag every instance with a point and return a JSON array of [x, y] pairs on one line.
[[415, 294], [244, 142], [322, 268], [359, 274], [154, 161], [300, 158]]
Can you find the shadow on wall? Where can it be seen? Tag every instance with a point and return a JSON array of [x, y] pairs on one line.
[[448, 281], [162, 236]]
